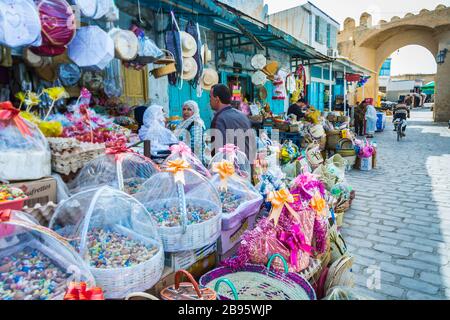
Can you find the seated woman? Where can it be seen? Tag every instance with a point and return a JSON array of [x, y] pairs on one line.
[[155, 131], [191, 131]]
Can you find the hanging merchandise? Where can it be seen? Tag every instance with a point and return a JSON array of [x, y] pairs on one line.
[[209, 79], [291, 83], [19, 23], [259, 78], [112, 85], [185, 206], [69, 74], [279, 92], [173, 44], [190, 69], [300, 85], [148, 51], [103, 7], [87, 7], [188, 45], [115, 235], [193, 29], [35, 61], [236, 92], [126, 44], [259, 61], [58, 27], [91, 48], [270, 70]]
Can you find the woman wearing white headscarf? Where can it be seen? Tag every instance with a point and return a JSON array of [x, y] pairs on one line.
[[191, 130], [155, 131]]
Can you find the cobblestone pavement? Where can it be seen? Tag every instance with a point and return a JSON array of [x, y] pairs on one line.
[[399, 224]]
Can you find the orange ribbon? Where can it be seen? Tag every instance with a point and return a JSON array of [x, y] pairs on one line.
[[5, 215], [318, 204], [279, 200], [8, 112], [225, 169], [177, 167], [79, 291]]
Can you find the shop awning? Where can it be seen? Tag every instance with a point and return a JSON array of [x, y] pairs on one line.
[[224, 19], [351, 67]]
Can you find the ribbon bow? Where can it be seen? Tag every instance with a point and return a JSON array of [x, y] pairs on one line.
[[225, 169], [295, 240], [79, 291], [118, 151], [177, 167], [5, 215], [181, 149], [279, 200], [318, 204], [8, 112], [229, 149]]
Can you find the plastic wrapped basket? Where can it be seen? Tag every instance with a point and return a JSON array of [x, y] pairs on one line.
[[123, 258]]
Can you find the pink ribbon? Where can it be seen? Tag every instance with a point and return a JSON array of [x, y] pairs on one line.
[[229, 149], [295, 240], [181, 149]]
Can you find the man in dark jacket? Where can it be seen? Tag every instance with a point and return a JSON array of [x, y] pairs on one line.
[[230, 126], [298, 109]]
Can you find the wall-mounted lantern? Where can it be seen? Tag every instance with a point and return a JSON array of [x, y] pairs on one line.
[[440, 59]]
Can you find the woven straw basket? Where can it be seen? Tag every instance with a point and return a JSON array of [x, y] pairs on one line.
[[196, 236], [117, 283]]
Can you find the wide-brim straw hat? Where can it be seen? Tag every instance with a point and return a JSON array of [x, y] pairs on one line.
[[190, 69], [259, 78], [126, 44], [188, 45], [206, 54], [259, 61], [271, 69], [209, 78]]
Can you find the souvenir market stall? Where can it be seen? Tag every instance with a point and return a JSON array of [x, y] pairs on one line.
[[133, 227]]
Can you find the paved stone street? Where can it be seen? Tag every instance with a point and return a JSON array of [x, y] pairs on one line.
[[399, 224]]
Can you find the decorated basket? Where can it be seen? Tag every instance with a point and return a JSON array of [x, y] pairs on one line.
[[256, 282], [185, 206]]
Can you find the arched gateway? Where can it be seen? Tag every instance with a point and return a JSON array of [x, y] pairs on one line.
[[371, 45]]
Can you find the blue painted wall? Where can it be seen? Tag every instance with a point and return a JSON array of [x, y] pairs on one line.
[[178, 96]]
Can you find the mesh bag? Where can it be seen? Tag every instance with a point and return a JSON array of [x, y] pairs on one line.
[[120, 169], [24, 151], [231, 153], [116, 236], [36, 263], [185, 205], [239, 197], [182, 151]]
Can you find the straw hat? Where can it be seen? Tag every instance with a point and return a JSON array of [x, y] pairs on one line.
[[337, 272], [188, 45], [206, 54], [190, 69], [271, 70], [209, 79], [258, 61], [259, 78], [126, 44]]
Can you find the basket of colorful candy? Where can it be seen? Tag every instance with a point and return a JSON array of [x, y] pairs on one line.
[[185, 206], [122, 257]]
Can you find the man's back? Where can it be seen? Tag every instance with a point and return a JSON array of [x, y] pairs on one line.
[[227, 121]]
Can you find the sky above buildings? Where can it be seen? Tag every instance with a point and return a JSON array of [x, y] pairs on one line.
[[411, 59]]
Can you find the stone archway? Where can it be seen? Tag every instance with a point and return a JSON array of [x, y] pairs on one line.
[[370, 46]]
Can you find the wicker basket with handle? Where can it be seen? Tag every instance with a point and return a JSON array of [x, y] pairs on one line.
[[187, 290]]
